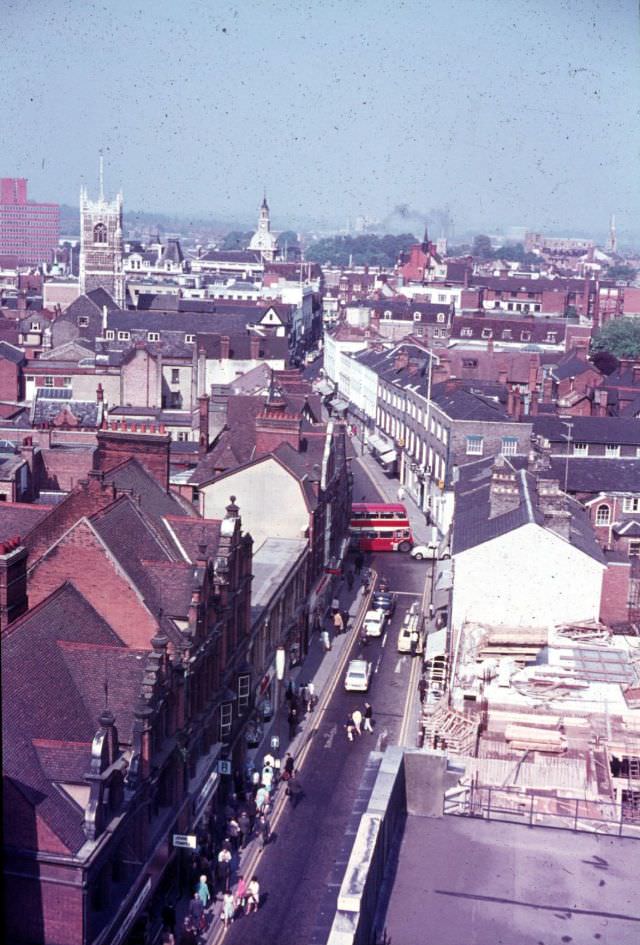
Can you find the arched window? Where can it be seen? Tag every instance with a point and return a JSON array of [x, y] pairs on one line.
[[99, 233], [603, 515]]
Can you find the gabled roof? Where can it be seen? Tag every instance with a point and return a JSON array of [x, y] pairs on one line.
[[622, 431], [572, 365], [460, 403], [585, 474], [9, 352]]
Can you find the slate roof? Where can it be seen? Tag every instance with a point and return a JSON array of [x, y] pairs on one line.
[[624, 431], [238, 256], [54, 663], [152, 498], [535, 328], [9, 352], [460, 403], [18, 518], [63, 411], [472, 525], [270, 346], [595, 475], [571, 365]]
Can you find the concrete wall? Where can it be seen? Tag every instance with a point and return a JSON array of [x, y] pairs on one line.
[[270, 499], [529, 577]]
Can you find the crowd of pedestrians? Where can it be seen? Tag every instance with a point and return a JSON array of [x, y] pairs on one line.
[[359, 721]]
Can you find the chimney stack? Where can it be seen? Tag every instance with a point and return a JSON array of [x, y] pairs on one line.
[[554, 505], [225, 347], [504, 494], [203, 424], [254, 343], [533, 375], [13, 581]]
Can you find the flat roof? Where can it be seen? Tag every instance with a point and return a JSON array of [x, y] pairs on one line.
[[273, 560], [462, 880]]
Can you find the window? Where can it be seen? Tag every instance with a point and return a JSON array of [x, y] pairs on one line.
[[487, 332], [123, 336], [110, 334], [612, 451], [631, 504], [466, 332], [189, 339], [183, 437], [634, 549], [506, 334], [440, 317], [99, 233], [35, 326], [226, 720], [153, 336], [387, 315], [48, 381], [603, 515], [580, 449], [509, 445], [417, 316], [525, 336], [175, 375], [470, 362], [474, 445], [442, 298], [244, 689], [66, 382], [83, 321], [551, 337]]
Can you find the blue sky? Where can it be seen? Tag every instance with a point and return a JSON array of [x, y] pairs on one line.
[[510, 112]]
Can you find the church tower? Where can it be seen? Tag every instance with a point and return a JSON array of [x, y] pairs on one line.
[[263, 240], [101, 243]]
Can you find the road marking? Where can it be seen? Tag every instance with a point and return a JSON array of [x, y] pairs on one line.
[[407, 593], [378, 664], [400, 664], [331, 734], [384, 639]]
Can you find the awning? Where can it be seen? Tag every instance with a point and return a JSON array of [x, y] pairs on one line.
[[340, 405], [389, 457], [324, 388], [436, 644], [378, 444]]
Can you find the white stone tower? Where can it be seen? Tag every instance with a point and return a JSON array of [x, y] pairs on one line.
[[263, 239], [101, 243]]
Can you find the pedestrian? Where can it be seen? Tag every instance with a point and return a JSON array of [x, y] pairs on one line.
[[359, 562], [263, 829], [188, 936], [167, 937], [228, 909], [368, 716], [253, 895], [366, 580], [313, 699], [350, 579], [241, 893], [262, 799], [267, 777], [338, 623], [292, 719], [432, 611], [400, 494], [233, 833], [289, 693], [349, 728], [224, 868], [244, 824], [169, 917], [196, 913], [326, 640], [252, 811], [204, 892], [304, 698], [422, 689], [356, 715]]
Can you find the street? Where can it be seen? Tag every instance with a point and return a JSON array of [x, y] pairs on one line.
[[298, 891]]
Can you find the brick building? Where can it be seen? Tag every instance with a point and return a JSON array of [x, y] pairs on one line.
[[29, 231], [136, 635]]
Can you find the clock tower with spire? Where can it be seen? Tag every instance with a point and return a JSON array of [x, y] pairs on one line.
[[101, 243]]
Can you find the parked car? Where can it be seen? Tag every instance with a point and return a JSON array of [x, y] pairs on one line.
[[358, 676], [411, 623], [424, 551], [384, 600], [374, 623]]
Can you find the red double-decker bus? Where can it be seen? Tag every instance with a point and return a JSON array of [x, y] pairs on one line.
[[377, 526]]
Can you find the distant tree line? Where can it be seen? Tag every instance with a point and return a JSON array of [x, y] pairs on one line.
[[365, 250], [620, 337]]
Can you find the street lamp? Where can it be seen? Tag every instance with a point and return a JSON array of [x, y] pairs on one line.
[[280, 665], [569, 427]]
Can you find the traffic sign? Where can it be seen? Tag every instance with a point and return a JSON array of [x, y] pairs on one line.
[[186, 841], [224, 767], [275, 741]]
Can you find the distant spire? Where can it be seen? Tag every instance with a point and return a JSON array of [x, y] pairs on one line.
[[101, 177], [613, 242], [425, 238]]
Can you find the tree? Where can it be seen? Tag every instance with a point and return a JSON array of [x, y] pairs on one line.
[[365, 250], [620, 337], [236, 239], [621, 273], [482, 247]]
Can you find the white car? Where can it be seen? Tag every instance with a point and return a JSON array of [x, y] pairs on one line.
[[374, 622], [424, 551], [358, 676]]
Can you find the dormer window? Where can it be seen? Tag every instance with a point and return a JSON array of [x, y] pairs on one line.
[[551, 337], [387, 315], [99, 233], [189, 339], [506, 334], [153, 336], [83, 321], [525, 336], [466, 332], [123, 336], [487, 332], [417, 316], [440, 317]]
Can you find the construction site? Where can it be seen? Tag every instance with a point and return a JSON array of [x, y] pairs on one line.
[[545, 723]]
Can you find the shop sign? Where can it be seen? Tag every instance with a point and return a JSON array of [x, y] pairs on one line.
[[204, 795], [132, 914], [185, 841], [224, 767]]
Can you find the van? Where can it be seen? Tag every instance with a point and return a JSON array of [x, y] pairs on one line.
[[412, 621]]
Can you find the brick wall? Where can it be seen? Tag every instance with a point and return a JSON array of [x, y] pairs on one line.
[[10, 376], [151, 449], [141, 386], [89, 497], [614, 606]]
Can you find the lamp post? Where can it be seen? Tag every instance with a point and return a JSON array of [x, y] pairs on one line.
[[569, 427], [280, 664]]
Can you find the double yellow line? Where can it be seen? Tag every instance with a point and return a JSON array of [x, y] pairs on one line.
[[251, 863], [414, 674]]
